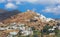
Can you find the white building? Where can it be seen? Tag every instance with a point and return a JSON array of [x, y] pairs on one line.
[[59, 27], [51, 29], [43, 18], [13, 33], [49, 19], [54, 27], [2, 28], [26, 32]]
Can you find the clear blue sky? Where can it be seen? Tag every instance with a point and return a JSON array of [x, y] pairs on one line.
[[49, 8]]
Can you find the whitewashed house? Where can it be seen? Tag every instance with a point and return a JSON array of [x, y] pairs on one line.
[[54, 27], [51, 29], [43, 18], [59, 27], [26, 32], [49, 19], [11, 34], [2, 28]]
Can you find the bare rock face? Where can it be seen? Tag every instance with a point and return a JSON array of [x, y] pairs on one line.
[[15, 16]]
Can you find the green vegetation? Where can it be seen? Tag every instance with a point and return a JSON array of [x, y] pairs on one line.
[[58, 34], [36, 33], [45, 29], [33, 28]]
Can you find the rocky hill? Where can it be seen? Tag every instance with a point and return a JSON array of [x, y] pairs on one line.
[[30, 18]]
